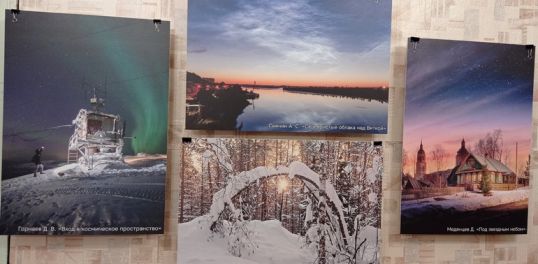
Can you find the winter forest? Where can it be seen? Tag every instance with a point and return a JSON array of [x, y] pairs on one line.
[[279, 201]]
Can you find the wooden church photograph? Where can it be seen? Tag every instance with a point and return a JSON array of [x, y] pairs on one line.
[[467, 137]]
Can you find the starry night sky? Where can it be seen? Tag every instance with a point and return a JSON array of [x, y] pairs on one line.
[[458, 89], [49, 57]]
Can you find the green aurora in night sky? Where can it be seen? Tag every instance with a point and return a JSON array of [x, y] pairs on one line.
[[52, 61]]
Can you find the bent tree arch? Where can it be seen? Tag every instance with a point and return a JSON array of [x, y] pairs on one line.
[[333, 206]]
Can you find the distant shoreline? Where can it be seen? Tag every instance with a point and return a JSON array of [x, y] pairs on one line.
[[369, 93], [378, 94], [309, 87]]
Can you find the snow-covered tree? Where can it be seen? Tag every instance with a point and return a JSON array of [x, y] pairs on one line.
[[336, 209], [485, 184]]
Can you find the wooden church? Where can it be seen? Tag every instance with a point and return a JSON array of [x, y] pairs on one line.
[[468, 172], [470, 168]]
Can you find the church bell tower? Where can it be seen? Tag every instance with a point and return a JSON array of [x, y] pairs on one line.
[[420, 169], [462, 153]]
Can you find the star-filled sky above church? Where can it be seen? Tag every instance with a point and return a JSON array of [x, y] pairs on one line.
[[300, 42], [458, 89], [52, 62]]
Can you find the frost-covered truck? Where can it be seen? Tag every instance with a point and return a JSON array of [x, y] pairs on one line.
[[97, 136]]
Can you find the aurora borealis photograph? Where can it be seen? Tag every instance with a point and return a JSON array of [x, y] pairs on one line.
[[325, 64], [56, 65], [467, 137]]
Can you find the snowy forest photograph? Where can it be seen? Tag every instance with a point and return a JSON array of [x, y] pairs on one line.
[[85, 121], [260, 201], [467, 138]]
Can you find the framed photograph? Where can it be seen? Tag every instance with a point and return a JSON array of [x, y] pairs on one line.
[[279, 201], [281, 66], [467, 137], [85, 119]]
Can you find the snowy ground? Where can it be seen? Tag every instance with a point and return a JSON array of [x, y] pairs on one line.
[[468, 201], [467, 212], [113, 194], [274, 243]]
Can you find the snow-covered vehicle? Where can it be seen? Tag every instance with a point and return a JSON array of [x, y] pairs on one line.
[[97, 136]]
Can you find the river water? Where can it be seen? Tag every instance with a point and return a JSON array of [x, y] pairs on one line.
[[279, 110]]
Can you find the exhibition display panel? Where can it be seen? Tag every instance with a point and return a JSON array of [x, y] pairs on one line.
[[245, 199], [467, 137], [85, 125], [281, 66]]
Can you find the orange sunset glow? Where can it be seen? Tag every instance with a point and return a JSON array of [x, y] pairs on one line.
[[306, 80]]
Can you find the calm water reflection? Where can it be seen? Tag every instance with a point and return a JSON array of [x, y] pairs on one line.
[[279, 110]]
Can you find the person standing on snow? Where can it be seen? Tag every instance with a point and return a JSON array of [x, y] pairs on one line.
[[36, 159]]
